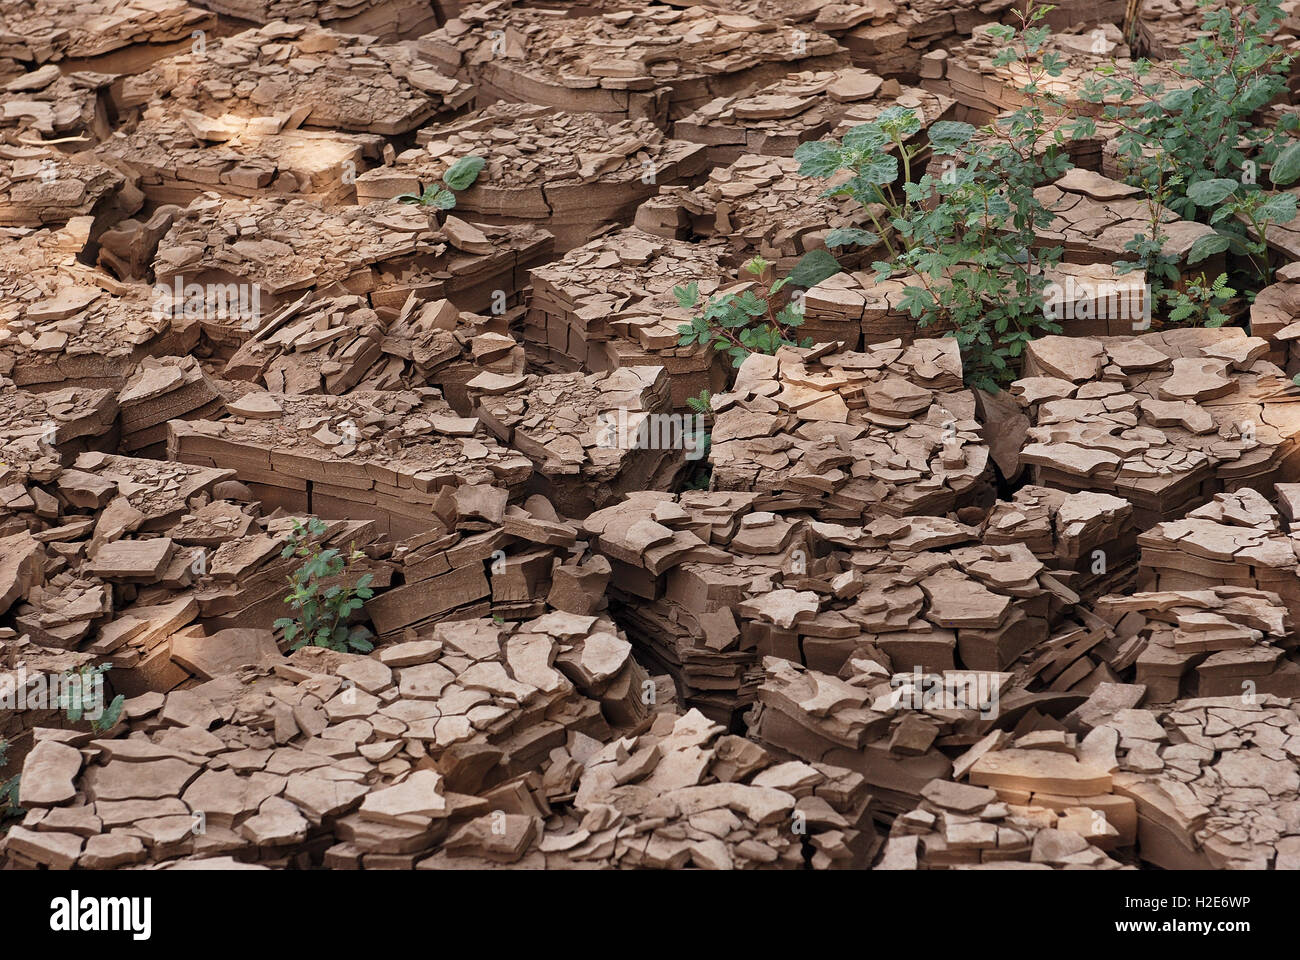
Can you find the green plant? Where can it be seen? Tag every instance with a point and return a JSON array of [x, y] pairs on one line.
[[76, 706], [459, 176], [749, 322], [702, 405], [1198, 302], [1201, 302], [700, 474], [969, 235], [1245, 204], [1195, 131], [1163, 276], [9, 789], [322, 613]]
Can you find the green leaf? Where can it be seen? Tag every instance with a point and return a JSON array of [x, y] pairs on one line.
[[877, 171], [1207, 193], [1207, 246], [1287, 165], [108, 719], [851, 236], [442, 200], [813, 267], [818, 158], [751, 304], [462, 174], [897, 123], [1279, 208], [1176, 101], [687, 296], [949, 136], [867, 137]]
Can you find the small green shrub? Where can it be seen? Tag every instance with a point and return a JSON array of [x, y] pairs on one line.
[[459, 176], [321, 614], [970, 234], [701, 474], [749, 322], [1193, 141], [76, 710]]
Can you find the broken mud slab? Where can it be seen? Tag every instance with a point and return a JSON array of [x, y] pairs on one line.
[[277, 249], [610, 303], [376, 456], [1232, 756], [62, 328], [1210, 642], [150, 555], [1096, 216], [659, 64], [887, 37], [115, 36], [28, 681], [326, 346], [761, 207], [861, 720], [1171, 777], [776, 118], [133, 418], [928, 107], [41, 187], [972, 78], [593, 438], [47, 106], [848, 434], [70, 419], [320, 78], [1164, 420], [576, 174], [320, 760], [385, 19], [175, 159], [164, 389], [708, 584], [1237, 539], [701, 798], [483, 556], [432, 343], [1088, 539]]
